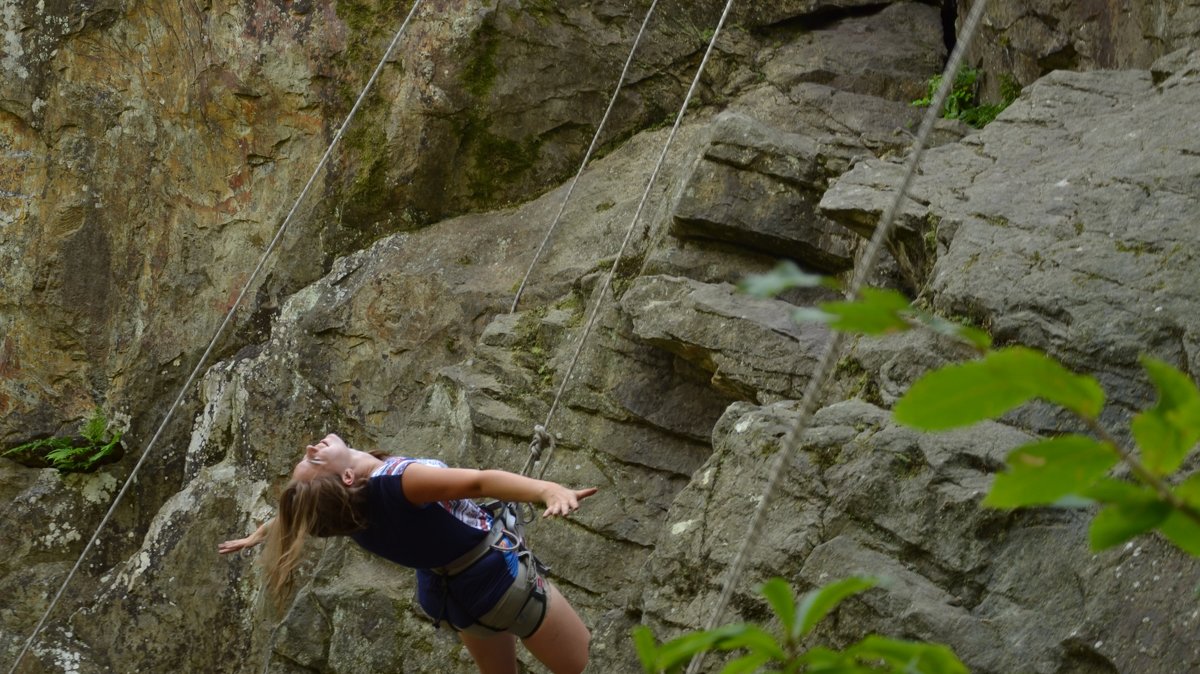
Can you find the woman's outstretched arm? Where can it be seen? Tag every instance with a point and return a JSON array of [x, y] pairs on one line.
[[259, 535], [425, 484]]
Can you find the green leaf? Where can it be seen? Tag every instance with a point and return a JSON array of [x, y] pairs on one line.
[[848, 668], [973, 336], [95, 427], [1183, 531], [818, 603], [908, 656], [1178, 527], [1043, 472], [1175, 389], [1053, 382], [876, 312], [755, 639], [1169, 430], [1189, 490], [811, 315], [779, 595], [822, 660], [1117, 491], [647, 648], [820, 656], [746, 664], [1120, 522], [784, 276], [681, 649], [967, 393], [1162, 450]]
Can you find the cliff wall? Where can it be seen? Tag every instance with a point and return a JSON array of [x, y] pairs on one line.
[[150, 152]]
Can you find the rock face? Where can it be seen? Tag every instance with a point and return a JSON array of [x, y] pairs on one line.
[[1092, 258], [1032, 38], [1007, 592], [384, 316]]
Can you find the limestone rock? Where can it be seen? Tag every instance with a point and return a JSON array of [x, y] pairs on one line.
[[852, 54], [1030, 39], [149, 156], [759, 190], [1095, 279], [386, 317], [751, 347], [865, 496]]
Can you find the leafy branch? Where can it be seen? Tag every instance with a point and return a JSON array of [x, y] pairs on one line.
[[785, 652]]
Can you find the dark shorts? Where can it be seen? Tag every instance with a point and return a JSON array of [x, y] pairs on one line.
[[514, 599]]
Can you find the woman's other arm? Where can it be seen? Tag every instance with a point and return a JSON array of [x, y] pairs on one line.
[[425, 484], [259, 535]]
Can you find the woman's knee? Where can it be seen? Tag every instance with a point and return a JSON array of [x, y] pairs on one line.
[[577, 657]]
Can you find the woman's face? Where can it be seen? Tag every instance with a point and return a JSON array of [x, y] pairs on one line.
[[330, 455]]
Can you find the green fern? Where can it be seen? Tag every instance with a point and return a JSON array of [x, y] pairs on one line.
[[96, 441], [962, 103]]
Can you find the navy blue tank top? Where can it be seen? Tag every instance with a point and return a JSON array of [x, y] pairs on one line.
[[430, 536]]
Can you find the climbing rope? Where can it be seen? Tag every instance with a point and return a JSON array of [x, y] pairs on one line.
[[586, 157], [587, 330], [220, 330], [815, 385]]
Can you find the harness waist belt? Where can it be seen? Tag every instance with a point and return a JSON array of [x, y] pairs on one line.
[[521, 609], [473, 555]]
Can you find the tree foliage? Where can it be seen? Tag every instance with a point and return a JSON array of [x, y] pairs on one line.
[[784, 651]]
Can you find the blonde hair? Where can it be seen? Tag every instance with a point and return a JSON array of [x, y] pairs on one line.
[[320, 507]]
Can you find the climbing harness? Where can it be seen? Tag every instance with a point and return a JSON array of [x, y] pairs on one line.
[[522, 607], [816, 383], [187, 384]]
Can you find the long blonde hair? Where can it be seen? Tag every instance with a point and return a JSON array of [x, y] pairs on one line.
[[321, 507]]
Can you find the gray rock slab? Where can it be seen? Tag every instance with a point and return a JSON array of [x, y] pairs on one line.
[[854, 53], [751, 347], [1067, 224], [758, 187], [1029, 39]]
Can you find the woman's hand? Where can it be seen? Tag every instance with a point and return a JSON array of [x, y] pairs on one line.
[[248, 542], [236, 544], [562, 501]]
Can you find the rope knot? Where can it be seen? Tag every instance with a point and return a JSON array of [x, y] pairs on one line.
[[541, 439]]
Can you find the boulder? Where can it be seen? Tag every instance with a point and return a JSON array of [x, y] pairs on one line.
[[751, 347], [1027, 40], [1095, 280]]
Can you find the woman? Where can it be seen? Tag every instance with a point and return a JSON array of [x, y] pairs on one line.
[[418, 513]]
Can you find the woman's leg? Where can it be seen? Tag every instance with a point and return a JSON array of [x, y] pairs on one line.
[[493, 655], [561, 643]]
